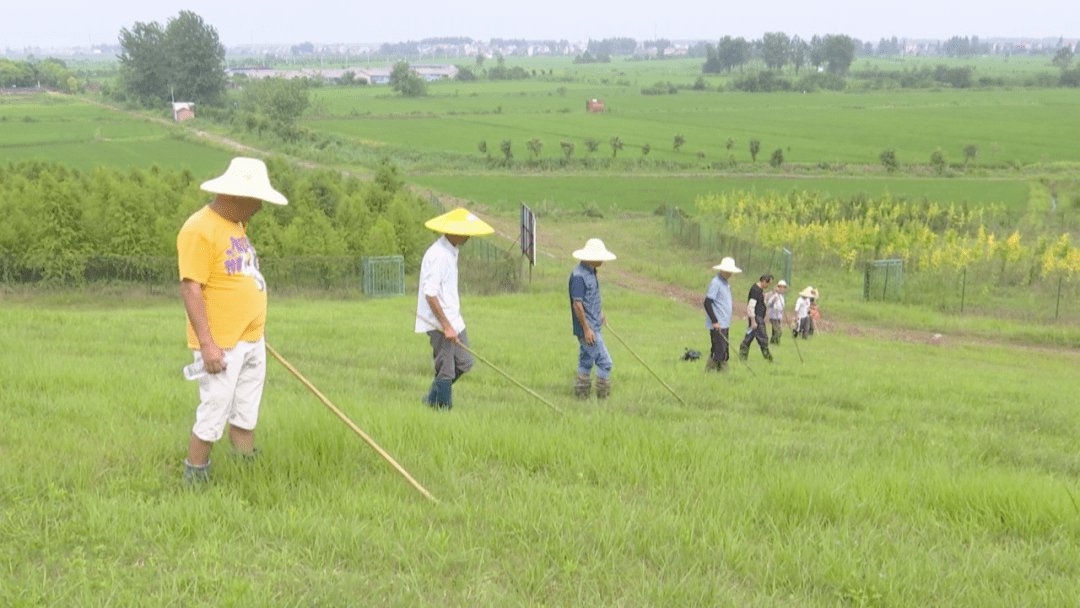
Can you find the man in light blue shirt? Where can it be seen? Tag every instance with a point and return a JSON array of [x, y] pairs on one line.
[[588, 319], [718, 314]]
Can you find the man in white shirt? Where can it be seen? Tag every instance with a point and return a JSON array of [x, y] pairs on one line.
[[438, 307], [775, 302]]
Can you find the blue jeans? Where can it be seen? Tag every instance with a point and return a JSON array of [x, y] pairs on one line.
[[594, 354]]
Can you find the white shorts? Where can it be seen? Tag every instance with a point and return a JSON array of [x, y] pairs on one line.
[[233, 395]]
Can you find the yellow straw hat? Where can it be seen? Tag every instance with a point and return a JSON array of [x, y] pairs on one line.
[[459, 221]]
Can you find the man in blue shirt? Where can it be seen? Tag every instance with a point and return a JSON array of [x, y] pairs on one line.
[[588, 318], [718, 314]]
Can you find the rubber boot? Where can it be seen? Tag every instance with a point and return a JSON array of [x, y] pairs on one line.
[[768, 355], [196, 475], [582, 386], [429, 398], [603, 388], [744, 352], [443, 397]]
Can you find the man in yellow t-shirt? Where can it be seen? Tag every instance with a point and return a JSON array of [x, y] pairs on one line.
[[225, 298]]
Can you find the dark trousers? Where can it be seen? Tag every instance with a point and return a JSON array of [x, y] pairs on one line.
[[762, 339], [451, 361], [804, 328], [777, 330], [719, 350]]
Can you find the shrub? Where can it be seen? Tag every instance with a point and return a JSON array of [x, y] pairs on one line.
[[888, 160]]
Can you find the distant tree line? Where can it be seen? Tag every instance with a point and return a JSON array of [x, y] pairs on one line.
[[50, 72]]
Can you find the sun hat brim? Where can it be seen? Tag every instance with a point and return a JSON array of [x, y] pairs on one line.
[[594, 251], [459, 222], [586, 255], [723, 267], [245, 177]]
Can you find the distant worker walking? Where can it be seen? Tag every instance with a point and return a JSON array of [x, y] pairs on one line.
[[802, 313], [438, 307], [588, 319], [775, 302], [755, 311], [718, 314]]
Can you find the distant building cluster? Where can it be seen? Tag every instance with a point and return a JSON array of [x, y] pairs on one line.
[[375, 75]]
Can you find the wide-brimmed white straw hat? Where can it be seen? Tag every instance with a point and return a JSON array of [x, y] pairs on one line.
[[459, 222], [807, 293], [782, 283], [594, 251], [728, 265], [246, 177]]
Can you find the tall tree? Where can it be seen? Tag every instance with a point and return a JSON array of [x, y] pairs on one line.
[[184, 59], [799, 52], [775, 49], [406, 81], [196, 59], [839, 52], [144, 67]]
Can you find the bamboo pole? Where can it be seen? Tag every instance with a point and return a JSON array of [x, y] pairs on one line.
[[614, 333], [492, 366], [346, 420]]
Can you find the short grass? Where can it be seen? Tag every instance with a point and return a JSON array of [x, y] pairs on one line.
[[871, 474], [82, 136]]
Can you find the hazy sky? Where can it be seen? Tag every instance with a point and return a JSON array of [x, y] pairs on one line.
[[68, 23]]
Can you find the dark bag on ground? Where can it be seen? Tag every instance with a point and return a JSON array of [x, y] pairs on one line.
[[691, 355]]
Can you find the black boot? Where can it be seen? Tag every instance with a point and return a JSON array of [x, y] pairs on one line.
[[443, 396]]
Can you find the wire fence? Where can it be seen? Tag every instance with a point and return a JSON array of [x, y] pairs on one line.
[[755, 260], [1010, 290]]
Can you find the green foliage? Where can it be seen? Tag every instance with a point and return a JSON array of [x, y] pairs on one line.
[[645, 149], [755, 147], [506, 148], [281, 100], [616, 143], [971, 152], [404, 80], [660, 87], [678, 143], [888, 160], [567, 148], [535, 146], [381, 239], [939, 161], [592, 144], [1063, 58], [482, 146], [184, 61], [777, 158], [56, 217]]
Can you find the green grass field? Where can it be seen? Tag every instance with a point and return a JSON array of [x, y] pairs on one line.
[[82, 136], [876, 473], [645, 193], [1020, 126]]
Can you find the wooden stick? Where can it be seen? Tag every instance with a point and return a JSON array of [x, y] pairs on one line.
[[613, 332], [346, 420]]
